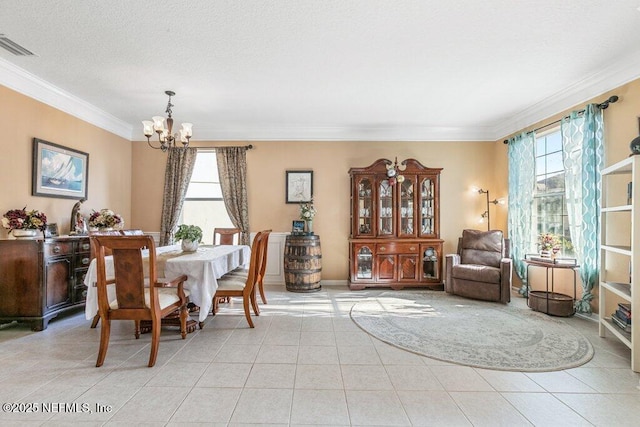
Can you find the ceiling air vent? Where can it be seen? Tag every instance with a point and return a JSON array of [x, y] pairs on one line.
[[13, 47]]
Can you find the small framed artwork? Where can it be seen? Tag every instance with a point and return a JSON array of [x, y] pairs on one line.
[[299, 186], [59, 171], [297, 227], [51, 230]]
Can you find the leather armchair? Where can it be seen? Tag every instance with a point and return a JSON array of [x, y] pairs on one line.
[[482, 267]]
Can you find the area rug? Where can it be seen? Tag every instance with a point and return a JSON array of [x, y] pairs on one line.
[[473, 333]]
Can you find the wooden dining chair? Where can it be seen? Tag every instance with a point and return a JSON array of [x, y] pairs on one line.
[[243, 287], [226, 236], [243, 272], [92, 255], [135, 295]]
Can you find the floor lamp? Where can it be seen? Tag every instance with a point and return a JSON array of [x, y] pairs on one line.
[[486, 213]]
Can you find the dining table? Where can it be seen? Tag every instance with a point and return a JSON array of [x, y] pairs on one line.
[[202, 267]]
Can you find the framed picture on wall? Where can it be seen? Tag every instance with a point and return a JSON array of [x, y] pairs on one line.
[[299, 186], [59, 171]]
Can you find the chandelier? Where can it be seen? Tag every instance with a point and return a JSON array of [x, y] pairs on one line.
[[165, 137]]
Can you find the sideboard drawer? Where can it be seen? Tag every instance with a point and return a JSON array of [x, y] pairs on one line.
[[82, 260], [397, 248], [58, 248], [84, 246]]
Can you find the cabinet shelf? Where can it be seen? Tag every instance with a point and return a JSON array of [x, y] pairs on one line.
[[623, 250], [622, 167], [623, 336], [623, 290], [623, 208]]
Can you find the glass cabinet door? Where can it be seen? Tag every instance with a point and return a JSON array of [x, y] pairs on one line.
[[365, 207], [427, 208], [385, 209], [407, 207], [364, 261], [430, 267]]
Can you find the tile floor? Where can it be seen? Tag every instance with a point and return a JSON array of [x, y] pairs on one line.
[[305, 363]]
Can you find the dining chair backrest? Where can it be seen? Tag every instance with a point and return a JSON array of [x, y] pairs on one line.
[[132, 232], [233, 286], [226, 236], [263, 265], [128, 269], [92, 242], [136, 293]]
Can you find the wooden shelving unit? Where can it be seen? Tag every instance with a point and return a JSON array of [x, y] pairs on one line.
[[613, 290]]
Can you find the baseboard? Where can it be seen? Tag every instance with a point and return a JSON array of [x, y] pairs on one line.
[[329, 283]]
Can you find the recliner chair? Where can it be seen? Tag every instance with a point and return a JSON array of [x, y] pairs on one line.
[[482, 267]]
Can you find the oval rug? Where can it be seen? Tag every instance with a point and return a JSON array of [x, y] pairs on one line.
[[474, 333]]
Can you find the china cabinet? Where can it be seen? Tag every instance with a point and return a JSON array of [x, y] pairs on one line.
[[41, 278], [395, 226]]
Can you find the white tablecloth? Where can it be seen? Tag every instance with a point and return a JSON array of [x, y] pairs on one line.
[[202, 268]]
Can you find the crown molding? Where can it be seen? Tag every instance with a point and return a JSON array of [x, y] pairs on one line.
[[611, 77], [329, 133], [21, 81]]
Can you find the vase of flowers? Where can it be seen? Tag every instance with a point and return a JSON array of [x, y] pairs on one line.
[[191, 236], [105, 219], [307, 213], [23, 223], [549, 244]]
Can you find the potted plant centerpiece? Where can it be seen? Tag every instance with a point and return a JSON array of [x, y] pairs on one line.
[[191, 236]]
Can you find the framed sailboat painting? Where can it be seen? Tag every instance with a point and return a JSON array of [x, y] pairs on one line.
[[59, 171]]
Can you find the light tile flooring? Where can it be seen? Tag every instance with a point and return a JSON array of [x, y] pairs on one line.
[[305, 363]]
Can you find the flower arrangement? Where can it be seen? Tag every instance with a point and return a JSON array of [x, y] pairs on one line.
[[307, 210], [548, 241], [105, 218], [21, 219]]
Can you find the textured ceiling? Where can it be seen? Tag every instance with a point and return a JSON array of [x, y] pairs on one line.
[[321, 69]]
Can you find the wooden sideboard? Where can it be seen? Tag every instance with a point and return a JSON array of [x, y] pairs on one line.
[[41, 278]]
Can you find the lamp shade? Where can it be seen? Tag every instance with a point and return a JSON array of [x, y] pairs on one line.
[[147, 126], [158, 123], [188, 129]]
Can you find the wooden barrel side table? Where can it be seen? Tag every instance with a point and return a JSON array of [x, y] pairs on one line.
[[302, 263]]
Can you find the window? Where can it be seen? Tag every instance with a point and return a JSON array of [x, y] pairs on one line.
[[203, 204], [549, 203]]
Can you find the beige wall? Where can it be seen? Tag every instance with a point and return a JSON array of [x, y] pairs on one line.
[[136, 192], [22, 119], [465, 164]]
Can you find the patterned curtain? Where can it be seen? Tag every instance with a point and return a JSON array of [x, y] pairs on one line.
[[232, 169], [583, 147], [521, 186], [180, 163]]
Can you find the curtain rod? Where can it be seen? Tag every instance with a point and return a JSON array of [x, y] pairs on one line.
[[602, 106], [246, 147]]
